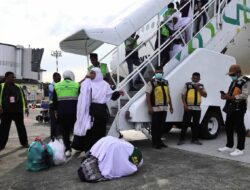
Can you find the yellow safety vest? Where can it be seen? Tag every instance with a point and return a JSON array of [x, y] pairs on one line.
[[193, 96], [160, 93], [67, 90]]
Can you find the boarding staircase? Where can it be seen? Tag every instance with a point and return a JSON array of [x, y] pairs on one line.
[[225, 20]]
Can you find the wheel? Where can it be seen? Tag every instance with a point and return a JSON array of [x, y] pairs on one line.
[[210, 126]]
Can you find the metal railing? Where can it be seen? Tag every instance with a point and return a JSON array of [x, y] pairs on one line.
[[157, 52]]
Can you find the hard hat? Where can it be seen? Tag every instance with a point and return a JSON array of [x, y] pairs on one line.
[[69, 75], [234, 69]]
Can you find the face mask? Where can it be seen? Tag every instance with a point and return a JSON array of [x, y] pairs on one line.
[[158, 75], [234, 78]]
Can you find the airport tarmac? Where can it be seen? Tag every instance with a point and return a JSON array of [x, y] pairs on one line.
[[177, 167]]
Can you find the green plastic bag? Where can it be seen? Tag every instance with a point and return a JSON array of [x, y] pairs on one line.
[[40, 156]]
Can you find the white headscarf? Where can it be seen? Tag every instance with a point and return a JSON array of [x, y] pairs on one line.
[[101, 93], [182, 22], [69, 75], [113, 157]]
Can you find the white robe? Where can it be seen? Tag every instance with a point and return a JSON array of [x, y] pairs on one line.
[[101, 93], [113, 157]]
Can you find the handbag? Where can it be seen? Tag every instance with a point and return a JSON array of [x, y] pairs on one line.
[[89, 170]]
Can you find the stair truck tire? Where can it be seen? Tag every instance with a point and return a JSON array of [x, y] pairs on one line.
[[210, 126]]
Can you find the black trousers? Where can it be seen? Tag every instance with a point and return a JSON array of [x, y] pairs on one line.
[[130, 63], [204, 19], [54, 126], [7, 118], [66, 122], [164, 55], [96, 132], [188, 115], [158, 120], [235, 121]]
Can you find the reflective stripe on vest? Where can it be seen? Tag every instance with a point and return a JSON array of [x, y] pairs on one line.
[[67, 90], [1, 95], [103, 68], [193, 96], [160, 93]]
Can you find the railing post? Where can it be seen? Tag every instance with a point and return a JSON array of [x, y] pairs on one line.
[[118, 76], [215, 7], [159, 40], [87, 61], [192, 11]]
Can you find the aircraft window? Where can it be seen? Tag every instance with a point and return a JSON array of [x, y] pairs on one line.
[[142, 29], [153, 25], [147, 27]]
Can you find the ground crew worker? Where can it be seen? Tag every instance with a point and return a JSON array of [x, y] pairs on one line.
[[12, 107], [164, 35], [158, 98], [235, 108], [191, 98], [171, 10], [102, 66], [54, 127], [133, 59], [64, 103]]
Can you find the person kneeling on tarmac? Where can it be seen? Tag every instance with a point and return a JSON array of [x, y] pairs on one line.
[[110, 158]]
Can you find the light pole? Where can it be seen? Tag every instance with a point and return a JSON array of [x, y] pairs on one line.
[[56, 54]]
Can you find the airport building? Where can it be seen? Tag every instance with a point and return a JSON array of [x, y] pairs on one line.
[[25, 64]]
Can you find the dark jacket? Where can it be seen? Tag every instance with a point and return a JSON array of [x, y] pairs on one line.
[[13, 99]]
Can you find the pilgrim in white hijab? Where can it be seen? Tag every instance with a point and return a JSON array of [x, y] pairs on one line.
[[181, 23], [114, 157], [101, 93]]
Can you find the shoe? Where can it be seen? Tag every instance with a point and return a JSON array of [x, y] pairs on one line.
[[181, 142], [26, 146], [157, 146], [225, 149], [133, 89], [163, 145], [237, 152], [68, 153], [197, 142]]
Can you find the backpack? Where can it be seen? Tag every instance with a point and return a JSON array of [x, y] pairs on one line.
[[40, 156]]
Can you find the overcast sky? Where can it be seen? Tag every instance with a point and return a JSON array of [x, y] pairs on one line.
[[43, 24]]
